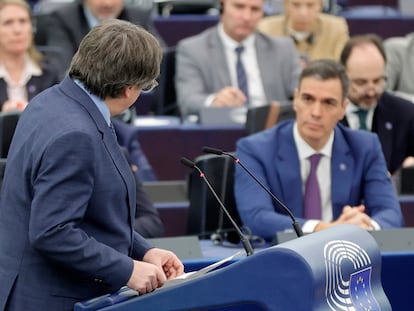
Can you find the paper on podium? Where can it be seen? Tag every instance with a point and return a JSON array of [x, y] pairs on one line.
[[194, 274]]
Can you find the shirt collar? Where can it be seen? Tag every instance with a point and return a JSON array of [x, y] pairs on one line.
[[305, 151], [353, 108], [100, 104], [30, 69], [90, 18]]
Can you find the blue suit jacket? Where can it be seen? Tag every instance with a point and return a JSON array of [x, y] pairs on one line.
[[67, 206], [359, 175]]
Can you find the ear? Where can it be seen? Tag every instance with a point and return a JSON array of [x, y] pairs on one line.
[[128, 92], [295, 99], [344, 106]]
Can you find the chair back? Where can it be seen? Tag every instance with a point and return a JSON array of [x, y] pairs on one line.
[[164, 100], [8, 123], [264, 117], [205, 215]]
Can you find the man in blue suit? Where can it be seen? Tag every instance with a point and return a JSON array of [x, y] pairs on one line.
[[352, 178], [68, 198]]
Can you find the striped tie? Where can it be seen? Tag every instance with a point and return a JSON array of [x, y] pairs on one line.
[[241, 73]]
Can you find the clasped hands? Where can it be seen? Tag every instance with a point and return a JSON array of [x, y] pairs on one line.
[[350, 215]]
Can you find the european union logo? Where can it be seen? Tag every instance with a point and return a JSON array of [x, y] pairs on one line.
[[360, 291]]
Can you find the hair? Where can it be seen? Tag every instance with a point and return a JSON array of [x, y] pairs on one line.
[[34, 54], [326, 69], [114, 55], [362, 40]]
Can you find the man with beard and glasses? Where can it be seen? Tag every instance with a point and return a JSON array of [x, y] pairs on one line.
[[373, 109]]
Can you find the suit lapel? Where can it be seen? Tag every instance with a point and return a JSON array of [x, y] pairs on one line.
[[342, 168], [286, 161], [217, 53], [263, 54], [382, 124], [108, 138]]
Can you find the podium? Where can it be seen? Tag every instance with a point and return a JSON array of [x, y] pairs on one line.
[[335, 269]]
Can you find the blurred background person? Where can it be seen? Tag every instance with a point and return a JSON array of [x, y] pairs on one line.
[[316, 35], [23, 71], [233, 65], [70, 23], [371, 107], [400, 65]]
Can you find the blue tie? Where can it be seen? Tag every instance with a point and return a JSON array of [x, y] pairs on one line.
[[312, 199], [241, 74]]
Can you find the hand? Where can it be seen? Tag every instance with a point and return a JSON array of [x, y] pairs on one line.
[[350, 215], [165, 260], [229, 97], [145, 277], [12, 105]]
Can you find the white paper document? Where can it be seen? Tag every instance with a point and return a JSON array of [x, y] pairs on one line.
[[194, 274]]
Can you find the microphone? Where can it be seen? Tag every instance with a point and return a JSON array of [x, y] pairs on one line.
[[295, 223], [245, 241]]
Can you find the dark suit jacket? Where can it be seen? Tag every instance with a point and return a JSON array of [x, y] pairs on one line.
[[68, 26], [393, 122], [67, 206], [359, 175], [35, 85]]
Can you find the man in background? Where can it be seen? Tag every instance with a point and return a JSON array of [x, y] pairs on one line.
[[400, 65], [69, 24], [316, 35], [325, 173], [233, 65], [68, 199], [371, 107]]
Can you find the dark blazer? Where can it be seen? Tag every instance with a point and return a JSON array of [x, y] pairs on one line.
[[35, 85], [359, 175], [67, 206], [68, 26], [393, 122]]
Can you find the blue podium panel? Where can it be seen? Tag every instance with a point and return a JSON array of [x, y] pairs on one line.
[[335, 269]]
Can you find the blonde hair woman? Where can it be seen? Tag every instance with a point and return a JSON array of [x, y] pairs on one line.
[[23, 71]]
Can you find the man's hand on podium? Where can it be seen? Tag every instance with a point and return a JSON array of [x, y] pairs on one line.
[[157, 266]]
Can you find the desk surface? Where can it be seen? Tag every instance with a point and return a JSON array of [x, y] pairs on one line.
[[165, 143]]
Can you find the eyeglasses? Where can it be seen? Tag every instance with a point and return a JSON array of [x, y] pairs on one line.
[[150, 87]]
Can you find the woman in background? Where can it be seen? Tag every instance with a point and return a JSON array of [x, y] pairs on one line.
[[23, 71]]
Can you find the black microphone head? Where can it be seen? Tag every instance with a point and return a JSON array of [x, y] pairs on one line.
[[213, 150], [187, 162]]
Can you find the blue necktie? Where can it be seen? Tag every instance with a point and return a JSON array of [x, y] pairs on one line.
[[312, 199], [241, 74]]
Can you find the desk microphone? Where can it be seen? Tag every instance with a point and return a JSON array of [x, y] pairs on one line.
[[295, 223], [245, 241]]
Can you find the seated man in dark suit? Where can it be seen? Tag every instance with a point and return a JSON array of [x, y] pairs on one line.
[[68, 25], [327, 174], [371, 108]]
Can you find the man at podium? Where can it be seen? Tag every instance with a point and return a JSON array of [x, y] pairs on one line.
[[68, 197], [325, 173]]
